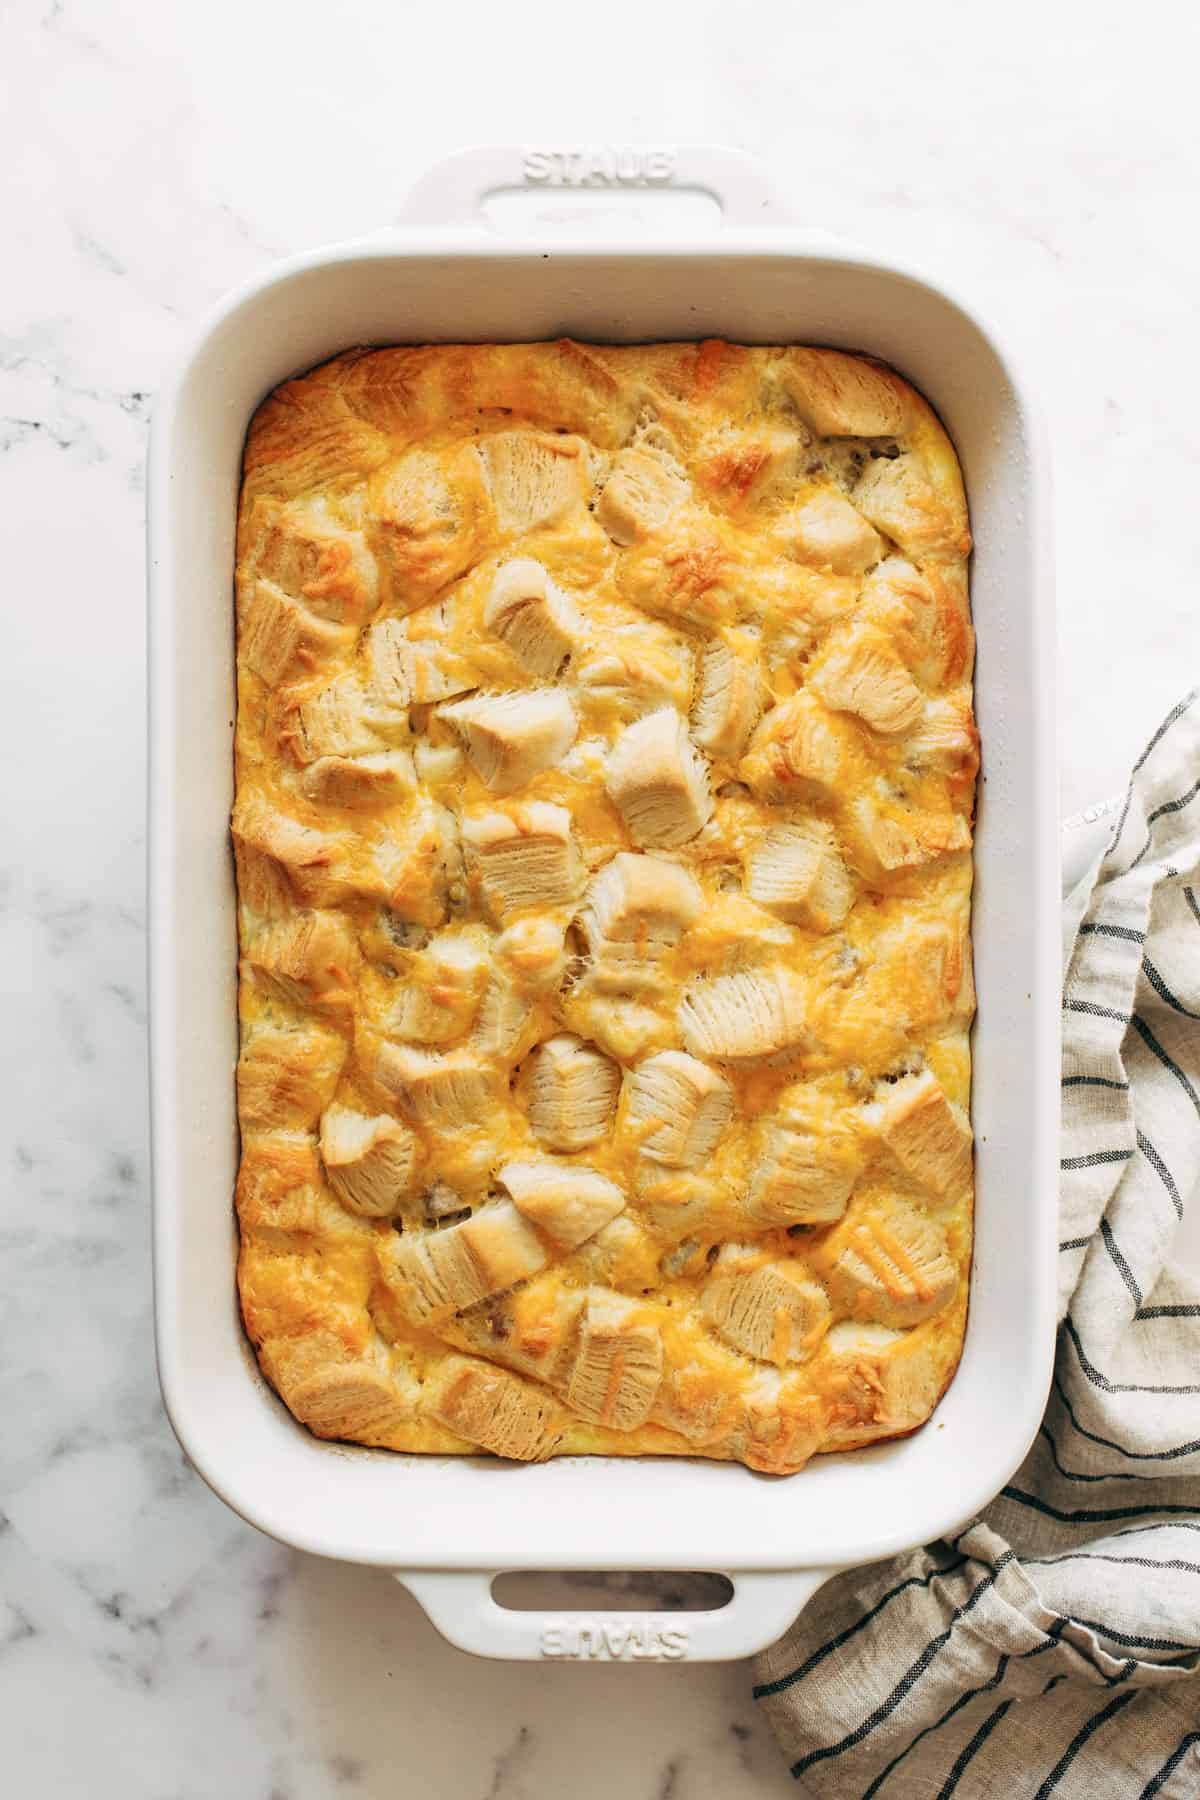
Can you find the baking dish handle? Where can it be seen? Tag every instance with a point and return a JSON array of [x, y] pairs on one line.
[[460, 1603], [633, 177]]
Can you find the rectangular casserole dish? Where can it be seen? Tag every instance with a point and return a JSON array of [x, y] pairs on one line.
[[447, 1525]]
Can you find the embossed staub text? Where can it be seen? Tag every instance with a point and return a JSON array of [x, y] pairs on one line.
[[613, 1640], [599, 165]]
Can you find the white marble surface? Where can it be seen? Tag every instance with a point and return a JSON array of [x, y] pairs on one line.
[[150, 1645]]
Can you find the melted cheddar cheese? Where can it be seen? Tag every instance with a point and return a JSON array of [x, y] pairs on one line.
[[605, 775]]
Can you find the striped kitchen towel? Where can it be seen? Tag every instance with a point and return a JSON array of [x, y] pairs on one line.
[[1053, 1647]]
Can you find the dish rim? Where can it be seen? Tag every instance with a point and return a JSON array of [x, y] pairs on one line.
[[223, 1472]]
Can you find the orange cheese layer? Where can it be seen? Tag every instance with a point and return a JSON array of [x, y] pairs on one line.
[[605, 781]]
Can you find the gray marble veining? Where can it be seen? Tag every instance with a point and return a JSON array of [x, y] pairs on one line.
[[152, 1646]]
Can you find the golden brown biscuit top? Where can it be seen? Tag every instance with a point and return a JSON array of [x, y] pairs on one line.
[[605, 773]]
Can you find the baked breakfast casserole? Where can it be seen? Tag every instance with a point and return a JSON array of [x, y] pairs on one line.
[[605, 773]]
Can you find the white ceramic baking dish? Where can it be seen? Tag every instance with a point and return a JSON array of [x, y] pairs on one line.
[[636, 269]]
